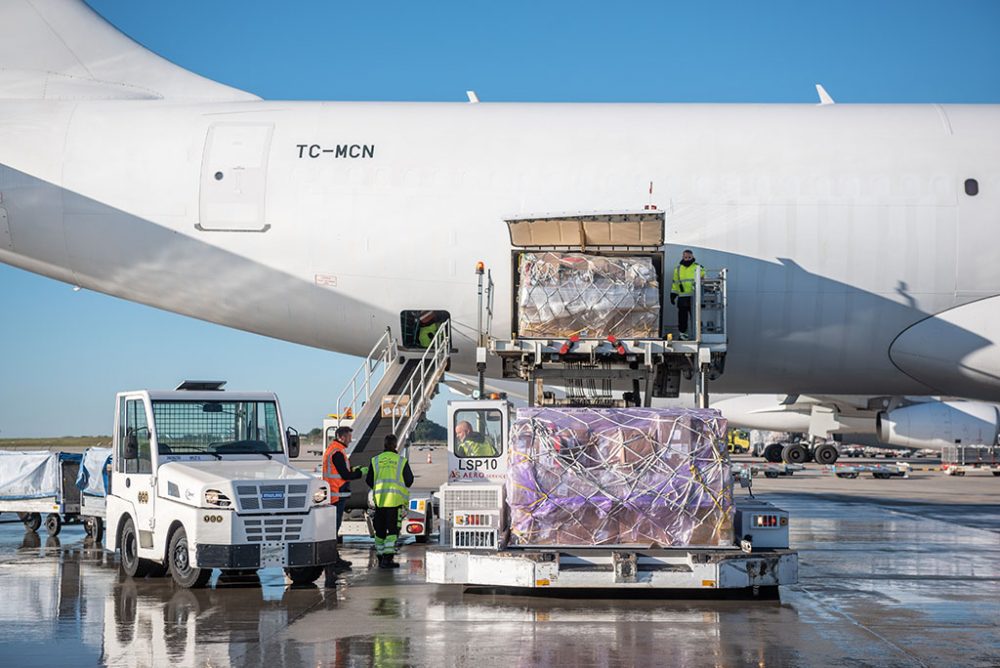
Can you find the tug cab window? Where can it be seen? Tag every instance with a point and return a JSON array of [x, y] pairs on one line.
[[478, 433], [419, 326]]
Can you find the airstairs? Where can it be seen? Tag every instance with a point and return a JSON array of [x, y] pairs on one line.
[[389, 394]]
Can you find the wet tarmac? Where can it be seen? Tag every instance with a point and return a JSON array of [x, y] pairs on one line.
[[893, 573]]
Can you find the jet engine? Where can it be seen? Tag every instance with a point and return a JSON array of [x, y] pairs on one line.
[[935, 424]]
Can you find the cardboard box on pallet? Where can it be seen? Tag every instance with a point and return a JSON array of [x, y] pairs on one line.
[[561, 294], [629, 476]]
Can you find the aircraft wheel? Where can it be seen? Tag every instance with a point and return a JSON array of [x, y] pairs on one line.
[[53, 524], [772, 453], [996, 474], [826, 454], [794, 453]]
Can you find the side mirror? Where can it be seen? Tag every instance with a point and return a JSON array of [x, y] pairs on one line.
[[292, 436], [131, 450]]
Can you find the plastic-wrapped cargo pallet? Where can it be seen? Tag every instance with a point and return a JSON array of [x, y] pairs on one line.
[[561, 294], [629, 476]]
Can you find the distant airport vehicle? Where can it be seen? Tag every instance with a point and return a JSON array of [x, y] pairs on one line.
[[858, 238], [960, 459], [201, 480], [738, 441]]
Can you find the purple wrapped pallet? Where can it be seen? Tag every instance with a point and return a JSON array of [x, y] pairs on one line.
[[619, 476]]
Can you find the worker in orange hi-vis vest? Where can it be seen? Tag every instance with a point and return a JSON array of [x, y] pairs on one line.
[[337, 473]]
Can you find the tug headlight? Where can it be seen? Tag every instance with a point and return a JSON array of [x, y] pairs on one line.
[[214, 497]]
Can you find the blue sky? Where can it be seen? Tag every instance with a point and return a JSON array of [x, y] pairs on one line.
[[63, 354]]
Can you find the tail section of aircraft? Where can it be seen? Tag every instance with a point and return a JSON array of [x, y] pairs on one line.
[[63, 50]]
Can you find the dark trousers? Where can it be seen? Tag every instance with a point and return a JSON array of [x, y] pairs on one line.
[[683, 313], [386, 524], [340, 514]]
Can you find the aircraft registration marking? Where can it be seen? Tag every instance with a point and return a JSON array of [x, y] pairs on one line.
[[336, 151]]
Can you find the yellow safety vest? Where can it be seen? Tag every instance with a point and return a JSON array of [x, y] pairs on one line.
[[390, 489], [426, 335], [471, 448], [683, 283]]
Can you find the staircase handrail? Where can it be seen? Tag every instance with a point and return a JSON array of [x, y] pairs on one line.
[[422, 384], [360, 386]]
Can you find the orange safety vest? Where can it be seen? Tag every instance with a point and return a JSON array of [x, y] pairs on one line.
[[330, 474]]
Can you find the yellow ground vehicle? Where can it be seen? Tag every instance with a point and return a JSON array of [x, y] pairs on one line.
[[738, 441]]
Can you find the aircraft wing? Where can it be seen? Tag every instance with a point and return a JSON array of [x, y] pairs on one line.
[[63, 50]]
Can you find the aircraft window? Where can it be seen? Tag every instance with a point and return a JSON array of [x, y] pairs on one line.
[[971, 187], [218, 176], [478, 433]]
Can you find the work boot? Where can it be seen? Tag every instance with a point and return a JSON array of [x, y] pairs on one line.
[[389, 562], [343, 564]]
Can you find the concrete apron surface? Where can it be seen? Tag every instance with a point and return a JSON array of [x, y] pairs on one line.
[[885, 580]]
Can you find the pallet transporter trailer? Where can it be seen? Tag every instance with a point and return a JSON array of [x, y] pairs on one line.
[[41, 488], [474, 513]]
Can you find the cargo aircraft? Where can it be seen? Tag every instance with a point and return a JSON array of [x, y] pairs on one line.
[[858, 238]]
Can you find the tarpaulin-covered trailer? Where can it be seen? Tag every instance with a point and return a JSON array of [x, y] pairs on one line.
[[33, 484]]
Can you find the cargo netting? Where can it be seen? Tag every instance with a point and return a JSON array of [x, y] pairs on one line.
[[628, 476], [594, 296]]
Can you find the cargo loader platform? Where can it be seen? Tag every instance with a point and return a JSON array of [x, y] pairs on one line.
[[592, 568], [588, 306]]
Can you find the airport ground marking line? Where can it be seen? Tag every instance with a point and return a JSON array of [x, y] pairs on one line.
[[838, 611]]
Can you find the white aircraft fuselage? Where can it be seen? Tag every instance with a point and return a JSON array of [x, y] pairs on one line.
[[858, 263]]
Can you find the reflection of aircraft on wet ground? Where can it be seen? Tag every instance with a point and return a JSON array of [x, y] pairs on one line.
[[857, 237]]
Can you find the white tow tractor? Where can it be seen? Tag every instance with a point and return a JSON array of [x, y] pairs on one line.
[[201, 480]]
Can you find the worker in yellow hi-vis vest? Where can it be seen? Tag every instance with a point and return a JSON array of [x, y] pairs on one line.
[[428, 328], [682, 290], [390, 478]]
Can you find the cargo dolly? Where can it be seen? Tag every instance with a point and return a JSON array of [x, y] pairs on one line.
[[41, 488], [878, 471], [957, 460]]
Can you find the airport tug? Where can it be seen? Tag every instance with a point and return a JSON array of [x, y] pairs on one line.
[[589, 486], [201, 480]]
